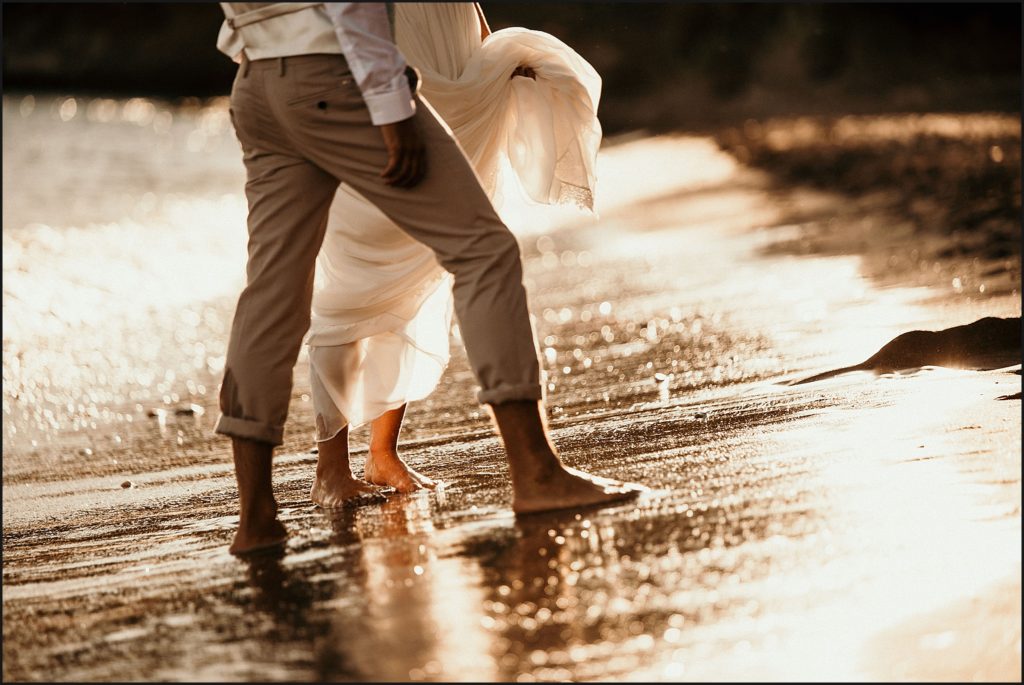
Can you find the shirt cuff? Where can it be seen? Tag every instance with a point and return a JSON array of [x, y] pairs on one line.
[[391, 106]]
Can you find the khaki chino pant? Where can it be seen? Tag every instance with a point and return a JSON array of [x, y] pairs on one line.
[[304, 128]]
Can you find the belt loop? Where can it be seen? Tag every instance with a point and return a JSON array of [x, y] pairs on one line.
[[280, 68], [245, 65]]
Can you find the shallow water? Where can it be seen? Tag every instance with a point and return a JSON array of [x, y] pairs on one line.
[[791, 532]]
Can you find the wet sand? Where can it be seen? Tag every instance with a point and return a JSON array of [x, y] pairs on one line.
[[863, 526]]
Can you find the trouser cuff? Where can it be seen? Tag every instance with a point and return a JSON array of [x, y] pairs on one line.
[[511, 393], [249, 429]]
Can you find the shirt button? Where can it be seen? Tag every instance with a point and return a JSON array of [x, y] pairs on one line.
[[322, 104]]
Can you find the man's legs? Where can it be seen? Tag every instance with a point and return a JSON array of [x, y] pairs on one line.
[[450, 213], [288, 205], [289, 199]]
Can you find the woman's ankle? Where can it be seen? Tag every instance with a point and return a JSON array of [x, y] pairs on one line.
[[333, 468]]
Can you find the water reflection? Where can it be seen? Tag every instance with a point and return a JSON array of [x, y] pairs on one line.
[[413, 614], [282, 594]]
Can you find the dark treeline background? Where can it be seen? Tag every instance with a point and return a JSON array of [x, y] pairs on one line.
[[665, 65]]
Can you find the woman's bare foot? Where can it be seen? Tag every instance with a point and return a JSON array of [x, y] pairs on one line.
[[562, 487], [334, 483], [334, 489], [385, 467]]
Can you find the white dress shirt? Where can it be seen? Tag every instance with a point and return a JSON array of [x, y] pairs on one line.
[[358, 30]]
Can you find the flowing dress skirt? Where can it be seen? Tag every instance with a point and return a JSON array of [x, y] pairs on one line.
[[382, 306]]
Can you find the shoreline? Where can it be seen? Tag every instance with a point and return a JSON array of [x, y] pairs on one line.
[[900, 191]]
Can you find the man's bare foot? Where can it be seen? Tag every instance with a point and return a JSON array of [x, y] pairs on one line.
[[334, 489], [567, 488], [257, 533], [385, 467], [258, 527], [540, 482]]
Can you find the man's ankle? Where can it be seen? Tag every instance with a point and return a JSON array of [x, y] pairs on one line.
[[532, 466], [261, 510], [382, 451]]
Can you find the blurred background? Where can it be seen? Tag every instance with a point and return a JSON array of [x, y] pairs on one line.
[[665, 65]]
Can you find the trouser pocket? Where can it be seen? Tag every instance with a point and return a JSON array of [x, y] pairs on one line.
[[324, 79]]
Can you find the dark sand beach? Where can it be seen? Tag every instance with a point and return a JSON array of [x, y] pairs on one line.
[[864, 526]]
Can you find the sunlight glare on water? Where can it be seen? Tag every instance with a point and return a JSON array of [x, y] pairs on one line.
[[109, 221], [670, 164], [787, 527]]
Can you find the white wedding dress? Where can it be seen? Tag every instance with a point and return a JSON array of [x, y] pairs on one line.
[[382, 306]]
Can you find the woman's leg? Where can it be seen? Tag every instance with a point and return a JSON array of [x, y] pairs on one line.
[[334, 482], [383, 465]]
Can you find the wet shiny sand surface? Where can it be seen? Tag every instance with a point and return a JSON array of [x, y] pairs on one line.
[[860, 527]]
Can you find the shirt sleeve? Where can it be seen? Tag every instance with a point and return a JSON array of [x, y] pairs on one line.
[[376, 63]]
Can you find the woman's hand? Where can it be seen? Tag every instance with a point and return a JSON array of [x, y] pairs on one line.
[[523, 70]]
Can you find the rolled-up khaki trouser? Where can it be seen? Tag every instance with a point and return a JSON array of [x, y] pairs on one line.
[[304, 128]]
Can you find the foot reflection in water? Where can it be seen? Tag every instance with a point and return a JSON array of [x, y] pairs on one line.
[[557, 595], [577, 597], [525, 596], [417, 615], [285, 595]]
